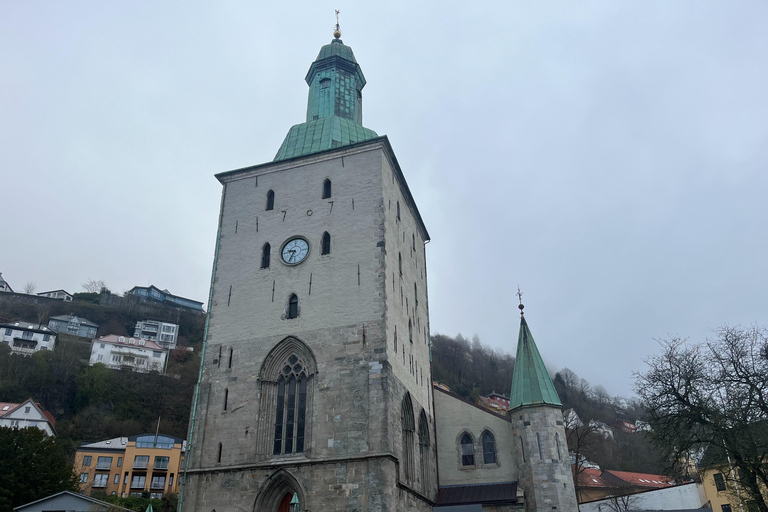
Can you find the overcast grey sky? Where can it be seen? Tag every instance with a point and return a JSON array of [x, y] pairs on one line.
[[609, 157]]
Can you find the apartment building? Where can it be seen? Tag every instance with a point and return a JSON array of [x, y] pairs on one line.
[[129, 466], [121, 353], [164, 334]]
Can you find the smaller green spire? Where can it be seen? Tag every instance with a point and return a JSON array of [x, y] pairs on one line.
[[531, 384]]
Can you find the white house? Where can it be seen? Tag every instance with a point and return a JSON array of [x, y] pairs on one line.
[[26, 338], [57, 294], [119, 352], [27, 414], [4, 286], [164, 333]]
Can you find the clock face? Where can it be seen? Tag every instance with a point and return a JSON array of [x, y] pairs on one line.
[[295, 251]]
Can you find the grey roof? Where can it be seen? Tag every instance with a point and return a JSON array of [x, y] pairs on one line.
[[78, 496], [67, 318], [117, 443], [27, 326]]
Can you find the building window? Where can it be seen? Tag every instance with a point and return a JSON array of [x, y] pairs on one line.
[[8, 332], [293, 306], [325, 83], [87, 460], [117, 479], [327, 188], [395, 338], [410, 330], [325, 244], [26, 335], [104, 463], [522, 449], [719, 482], [138, 481], [726, 507], [291, 411], [424, 451], [400, 263], [467, 450], [83, 478], [265, 251], [46, 337], [270, 200], [489, 448], [408, 426], [170, 480], [161, 462], [158, 482], [218, 457], [226, 398], [100, 480], [119, 462], [230, 358], [416, 294], [140, 462], [557, 442], [398, 210], [538, 442]]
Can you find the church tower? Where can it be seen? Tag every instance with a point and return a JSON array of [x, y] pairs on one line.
[[540, 446], [315, 381]]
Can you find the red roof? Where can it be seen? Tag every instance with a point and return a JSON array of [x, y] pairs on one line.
[[490, 402], [642, 479], [592, 478], [12, 407], [125, 340]]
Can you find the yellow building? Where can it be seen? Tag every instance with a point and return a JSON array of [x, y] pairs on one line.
[[722, 490], [128, 466]]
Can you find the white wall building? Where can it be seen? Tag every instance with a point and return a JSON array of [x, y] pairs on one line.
[[164, 333], [26, 338], [27, 414], [119, 352], [678, 497], [4, 286], [57, 294]]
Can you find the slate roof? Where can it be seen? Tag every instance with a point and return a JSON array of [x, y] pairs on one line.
[[126, 341], [84, 498], [67, 318], [26, 326], [531, 383], [505, 492]]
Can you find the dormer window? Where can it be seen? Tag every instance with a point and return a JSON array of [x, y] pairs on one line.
[[142, 342], [325, 83]]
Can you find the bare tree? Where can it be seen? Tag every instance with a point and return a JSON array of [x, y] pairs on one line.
[[623, 500], [30, 287], [713, 394], [94, 286]]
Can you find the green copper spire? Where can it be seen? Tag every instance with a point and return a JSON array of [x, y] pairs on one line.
[[531, 384], [335, 105]]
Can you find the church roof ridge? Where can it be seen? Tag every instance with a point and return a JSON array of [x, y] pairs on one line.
[[531, 383]]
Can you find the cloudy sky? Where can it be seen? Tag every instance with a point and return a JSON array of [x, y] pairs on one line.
[[608, 157]]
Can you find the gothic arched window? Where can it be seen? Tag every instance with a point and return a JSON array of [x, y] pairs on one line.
[[327, 189], [265, 251], [271, 200], [408, 424], [291, 411], [467, 450], [424, 450], [325, 244], [489, 448], [293, 306], [287, 381]]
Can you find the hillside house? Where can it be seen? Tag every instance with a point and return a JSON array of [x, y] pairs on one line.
[[28, 414], [121, 353], [26, 338], [71, 324]]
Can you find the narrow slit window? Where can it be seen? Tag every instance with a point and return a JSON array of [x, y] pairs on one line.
[[218, 457], [416, 294], [522, 449], [410, 331], [230, 358], [541, 451], [293, 306], [327, 189], [226, 398], [271, 200], [325, 244], [400, 262], [265, 252], [398, 210], [557, 441]]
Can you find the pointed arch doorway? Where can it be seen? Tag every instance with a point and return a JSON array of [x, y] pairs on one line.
[[277, 493], [285, 504]]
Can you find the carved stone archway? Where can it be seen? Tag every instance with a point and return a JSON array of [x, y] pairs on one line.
[[272, 496]]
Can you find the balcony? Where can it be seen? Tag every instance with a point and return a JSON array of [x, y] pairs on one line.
[[140, 464], [160, 466], [103, 466], [98, 485], [157, 485]]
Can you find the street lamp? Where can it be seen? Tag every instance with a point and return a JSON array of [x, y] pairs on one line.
[[295, 503]]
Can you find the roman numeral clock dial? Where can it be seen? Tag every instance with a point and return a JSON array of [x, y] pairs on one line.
[[295, 251]]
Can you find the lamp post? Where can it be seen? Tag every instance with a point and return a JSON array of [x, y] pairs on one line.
[[295, 503]]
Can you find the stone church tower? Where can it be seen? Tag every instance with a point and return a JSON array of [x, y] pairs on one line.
[[540, 446], [315, 379]]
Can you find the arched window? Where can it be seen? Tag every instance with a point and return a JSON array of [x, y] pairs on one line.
[[325, 244], [327, 189], [557, 442], [424, 451], [522, 448], [271, 200], [538, 441], [287, 381], [293, 306], [230, 358], [265, 251], [291, 412], [408, 424], [467, 450], [398, 210], [489, 448], [226, 398], [400, 262], [325, 83]]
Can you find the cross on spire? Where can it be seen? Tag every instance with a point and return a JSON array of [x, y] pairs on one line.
[[336, 29], [520, 297]]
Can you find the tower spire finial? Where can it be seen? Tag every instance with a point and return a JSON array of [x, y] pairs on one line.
[[520, 296], [336, 29]]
